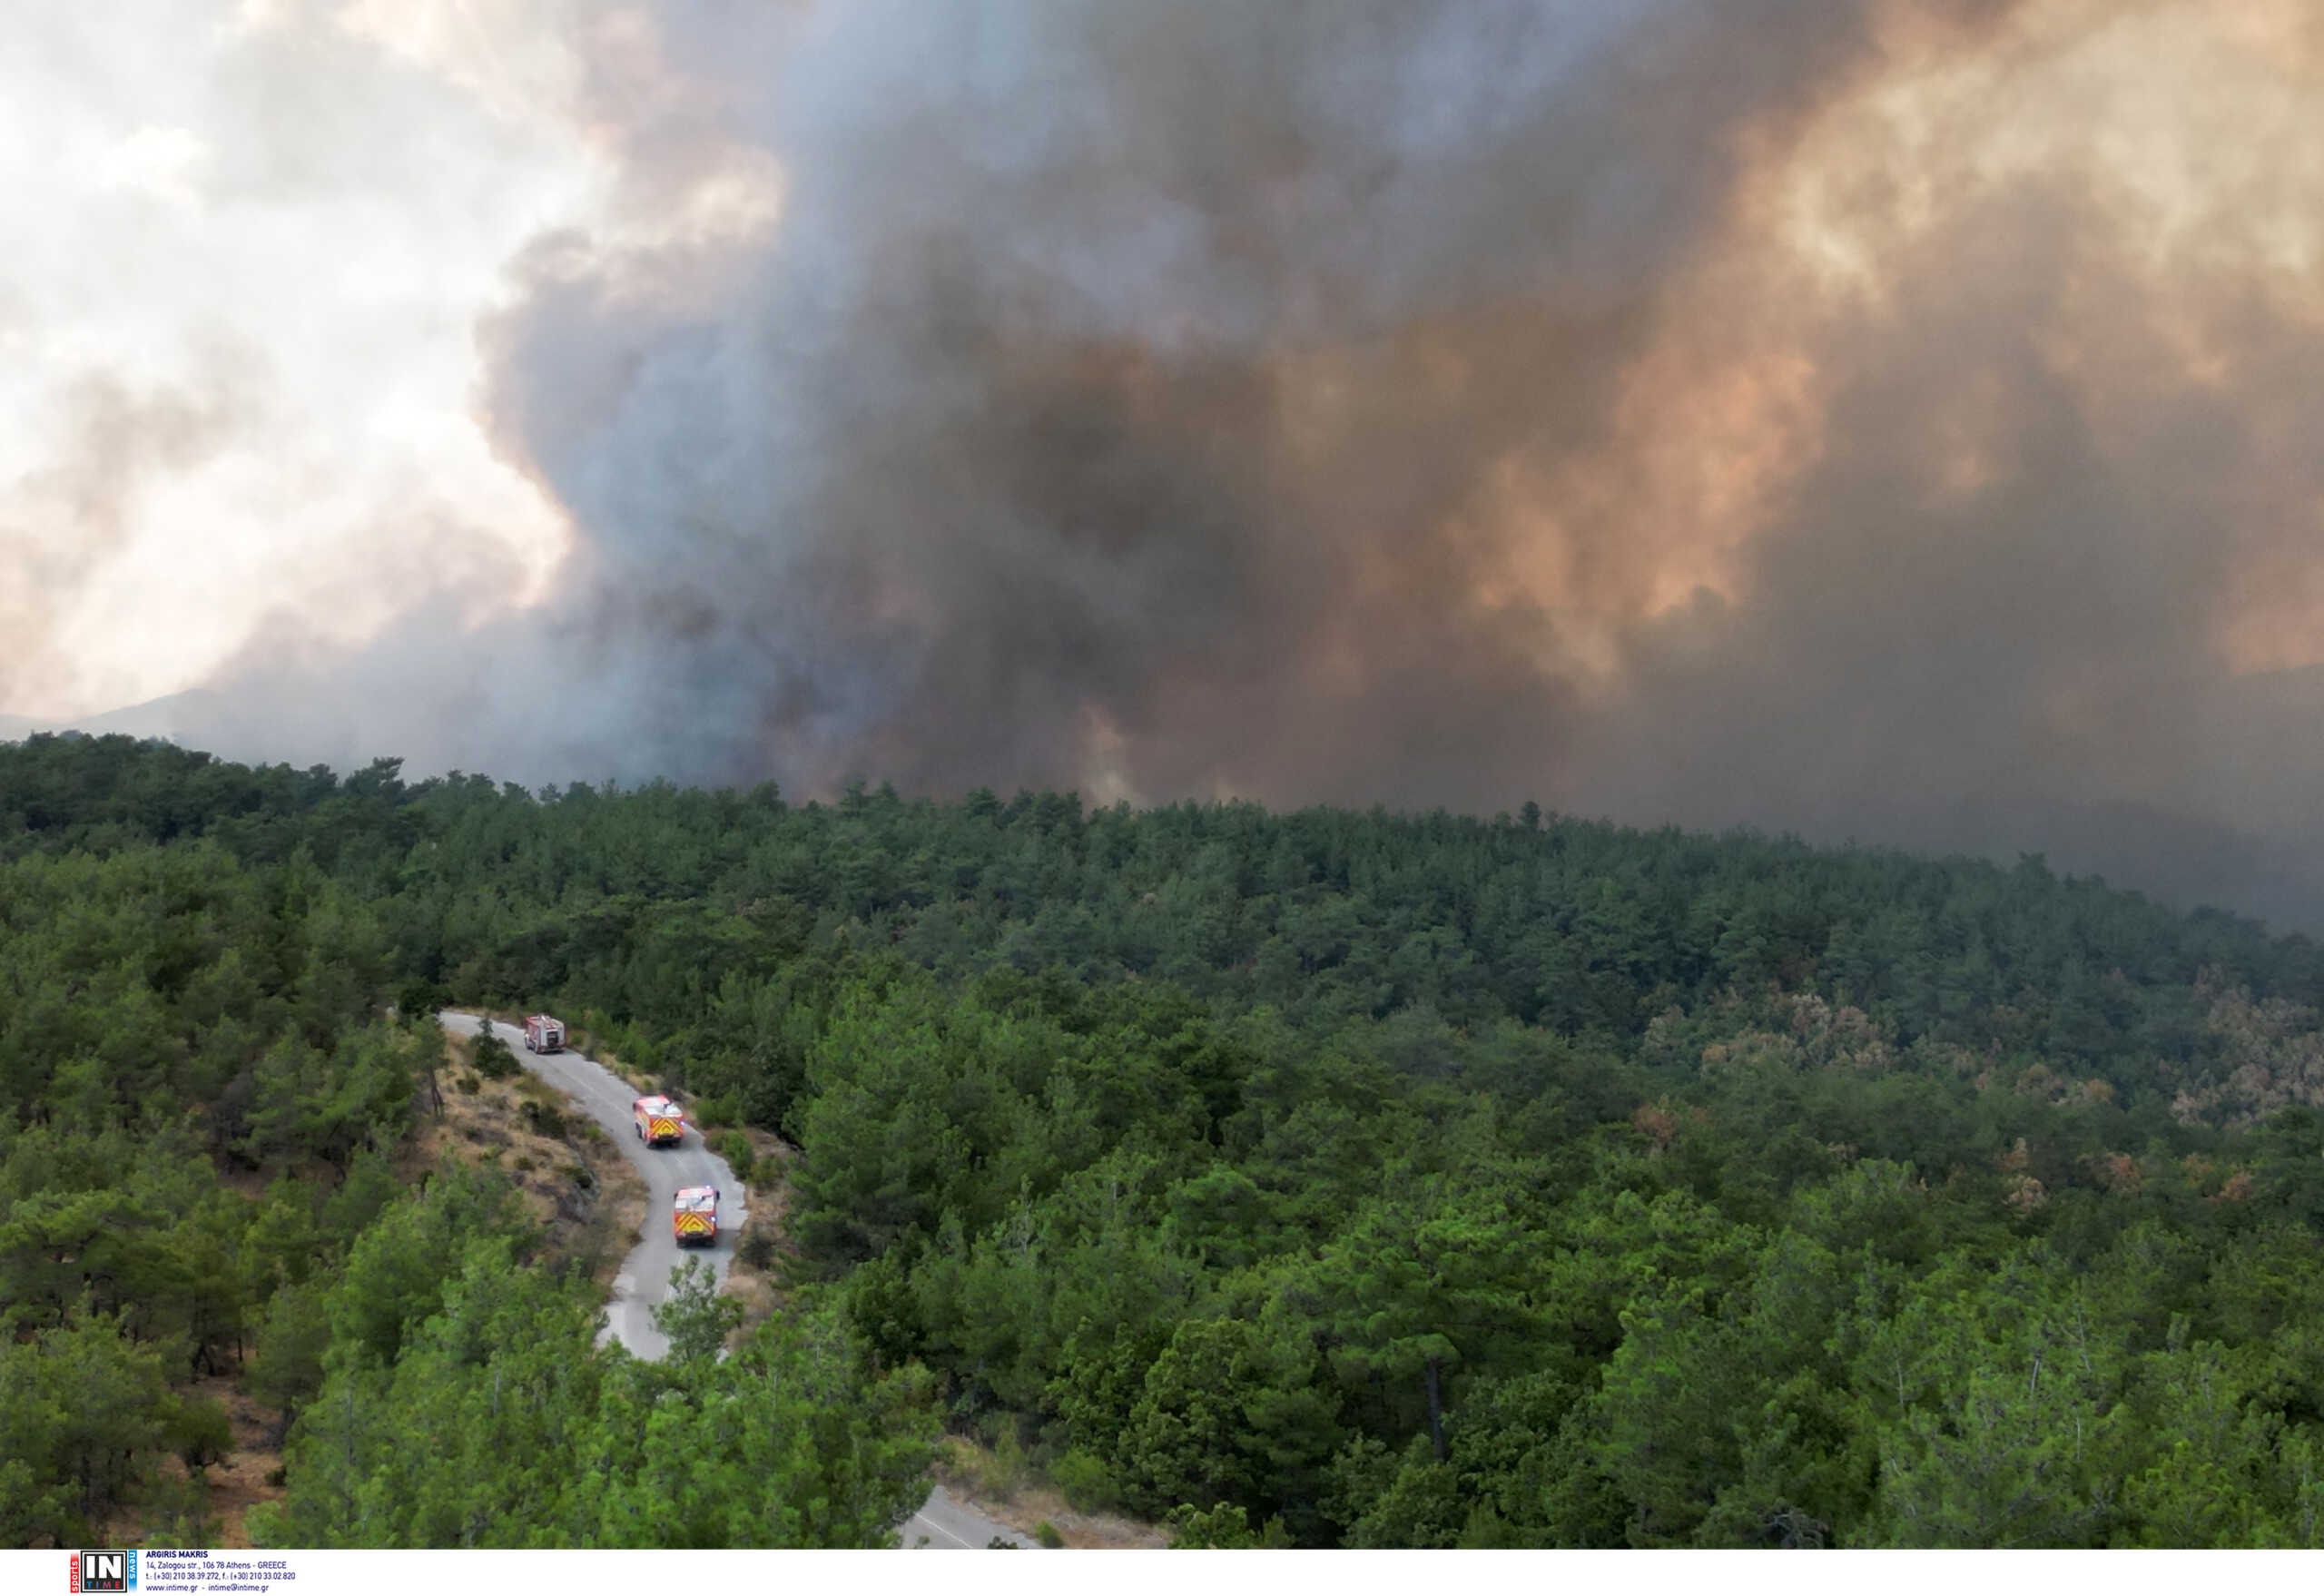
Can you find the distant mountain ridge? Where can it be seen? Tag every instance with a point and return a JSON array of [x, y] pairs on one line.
[[169, 717]]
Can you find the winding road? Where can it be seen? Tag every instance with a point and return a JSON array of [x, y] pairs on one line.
[[942, 1523]]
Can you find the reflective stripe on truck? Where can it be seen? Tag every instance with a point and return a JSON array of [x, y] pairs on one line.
[[693, 1214]]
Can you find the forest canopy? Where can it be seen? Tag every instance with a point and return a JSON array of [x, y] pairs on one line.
[[1320, 1177]]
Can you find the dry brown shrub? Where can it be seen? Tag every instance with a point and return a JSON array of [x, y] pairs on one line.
[[1657, 1124]]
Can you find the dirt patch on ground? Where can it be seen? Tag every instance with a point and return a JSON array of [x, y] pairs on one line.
[[239, 1483], [232, 1485], [249, 1183], [1015, 1496], [572, 1177], [616, 1213]]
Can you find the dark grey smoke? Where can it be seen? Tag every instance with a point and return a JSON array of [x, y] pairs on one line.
[[2029, 664], [1145, 396]]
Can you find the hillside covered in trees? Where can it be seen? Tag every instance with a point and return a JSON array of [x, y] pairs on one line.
[[1313, 1178]]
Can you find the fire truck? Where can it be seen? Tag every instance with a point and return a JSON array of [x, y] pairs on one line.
[[658, 1121], [544, 1033], [694, 1219]]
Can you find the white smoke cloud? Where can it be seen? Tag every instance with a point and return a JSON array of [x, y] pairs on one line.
[[306, 207]]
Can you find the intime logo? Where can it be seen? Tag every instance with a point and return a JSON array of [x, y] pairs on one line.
[[105, 1570]]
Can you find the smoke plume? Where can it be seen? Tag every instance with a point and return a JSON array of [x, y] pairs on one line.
[[1882, 420]]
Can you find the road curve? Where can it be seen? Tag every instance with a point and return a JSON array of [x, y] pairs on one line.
[[942, 1523], [605, 1098]]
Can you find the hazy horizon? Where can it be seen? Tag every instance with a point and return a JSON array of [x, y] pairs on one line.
[[2170, 859]]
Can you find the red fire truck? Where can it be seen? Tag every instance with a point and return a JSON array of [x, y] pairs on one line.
[[693, 1216], [658, 1121], [544, 1033]]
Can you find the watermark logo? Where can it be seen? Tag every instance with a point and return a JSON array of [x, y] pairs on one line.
[[104, 1572]]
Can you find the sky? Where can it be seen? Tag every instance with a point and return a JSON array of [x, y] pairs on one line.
[[1881, 420], [248, 246]]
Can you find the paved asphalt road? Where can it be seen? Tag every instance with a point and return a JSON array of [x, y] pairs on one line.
[[943, 1524]]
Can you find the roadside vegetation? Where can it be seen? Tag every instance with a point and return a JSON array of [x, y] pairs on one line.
[[1311, 1178]]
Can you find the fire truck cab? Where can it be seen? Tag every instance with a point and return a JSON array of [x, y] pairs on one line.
[[694, 1219], [544, 1033], [658, 1121]]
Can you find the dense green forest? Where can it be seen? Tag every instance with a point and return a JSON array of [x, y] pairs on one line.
[[1316, 1179]]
